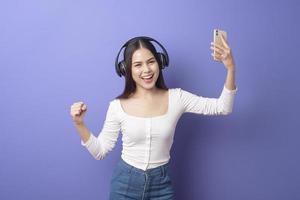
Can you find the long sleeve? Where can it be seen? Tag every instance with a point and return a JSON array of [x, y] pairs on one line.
[[207, 106], [107, 138]]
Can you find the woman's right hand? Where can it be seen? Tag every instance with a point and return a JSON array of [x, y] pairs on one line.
[[78, 110]]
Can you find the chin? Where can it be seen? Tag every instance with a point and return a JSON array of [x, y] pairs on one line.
[[148, 86]]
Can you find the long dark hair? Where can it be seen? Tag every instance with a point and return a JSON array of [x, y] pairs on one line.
[[130, 85]]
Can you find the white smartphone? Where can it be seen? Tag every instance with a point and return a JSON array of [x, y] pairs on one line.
[[217, 37]]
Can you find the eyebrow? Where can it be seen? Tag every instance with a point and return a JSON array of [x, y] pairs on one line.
[[141, 62]]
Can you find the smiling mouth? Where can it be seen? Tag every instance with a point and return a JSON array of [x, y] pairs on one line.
[[148, 78]]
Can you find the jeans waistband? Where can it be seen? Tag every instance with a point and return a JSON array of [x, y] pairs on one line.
[[160, 170]]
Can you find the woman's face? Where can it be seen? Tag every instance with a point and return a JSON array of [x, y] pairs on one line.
[[145, 69]]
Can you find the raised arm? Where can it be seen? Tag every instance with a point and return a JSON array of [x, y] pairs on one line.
[[101, 145], [207, 106], [224, 55], [214, 106]]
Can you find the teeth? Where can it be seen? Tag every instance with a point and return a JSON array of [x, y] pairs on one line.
[[147, 77]]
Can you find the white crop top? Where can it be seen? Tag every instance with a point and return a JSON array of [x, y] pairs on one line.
[[147, 141]]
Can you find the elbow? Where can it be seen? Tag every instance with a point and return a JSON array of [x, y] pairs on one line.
[[226, 108], [99, 156], [102, 150], [102, 154], [226, 112]]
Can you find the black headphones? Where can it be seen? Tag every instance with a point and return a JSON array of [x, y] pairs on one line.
[[121, 66]]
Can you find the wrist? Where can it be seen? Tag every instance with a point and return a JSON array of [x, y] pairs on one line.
[[231, 68], [79, 123]]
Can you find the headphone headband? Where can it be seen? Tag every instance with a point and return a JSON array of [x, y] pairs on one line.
[[120, 66]]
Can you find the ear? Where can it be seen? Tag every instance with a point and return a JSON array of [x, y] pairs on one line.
[[122, 68], [162, 60]]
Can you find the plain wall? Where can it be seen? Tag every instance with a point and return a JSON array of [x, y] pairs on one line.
[[54, 53]]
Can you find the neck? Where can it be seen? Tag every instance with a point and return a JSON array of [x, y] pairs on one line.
[[145, 93]]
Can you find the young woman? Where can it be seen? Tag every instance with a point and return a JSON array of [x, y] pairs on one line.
[[146, 113]]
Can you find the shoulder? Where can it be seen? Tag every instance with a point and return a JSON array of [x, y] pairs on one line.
[[184, 96], [174, 90], [113, 105], [177, 92], [113, 109]]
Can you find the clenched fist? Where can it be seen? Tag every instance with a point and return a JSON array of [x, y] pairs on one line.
[[78, 111]]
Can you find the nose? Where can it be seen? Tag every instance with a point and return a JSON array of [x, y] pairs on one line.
[[146, 67]]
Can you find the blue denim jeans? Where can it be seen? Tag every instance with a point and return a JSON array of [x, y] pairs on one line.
[[129, 182]]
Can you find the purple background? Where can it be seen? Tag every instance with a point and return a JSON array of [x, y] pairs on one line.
[[54, 53]]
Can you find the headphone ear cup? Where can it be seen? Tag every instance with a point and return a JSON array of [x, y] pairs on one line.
[[122, 68], [162, 59]]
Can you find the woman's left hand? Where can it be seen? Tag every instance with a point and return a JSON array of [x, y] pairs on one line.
[[223, 54]]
